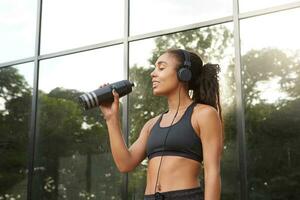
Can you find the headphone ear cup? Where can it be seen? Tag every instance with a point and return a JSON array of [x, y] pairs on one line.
[[184, 74]]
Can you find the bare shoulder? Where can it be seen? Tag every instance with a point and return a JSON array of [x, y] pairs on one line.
[[203, 115], [150, 123], [204, 110]]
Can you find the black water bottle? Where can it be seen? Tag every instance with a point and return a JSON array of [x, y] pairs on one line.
[[104, 94]]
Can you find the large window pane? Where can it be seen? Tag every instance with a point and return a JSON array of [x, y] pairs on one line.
[[154, 15], [17, 29], [214, 44], [249, 5], [68, 24], [271, 71], [15, 111], [73, 156]]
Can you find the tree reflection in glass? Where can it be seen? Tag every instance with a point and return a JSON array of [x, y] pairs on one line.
[[73, 158], [15, 111], [271, 79]]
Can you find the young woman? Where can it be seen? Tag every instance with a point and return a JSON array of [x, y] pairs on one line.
[[181, 141]]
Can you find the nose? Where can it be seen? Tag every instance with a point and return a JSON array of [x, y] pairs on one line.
[[153, 73]]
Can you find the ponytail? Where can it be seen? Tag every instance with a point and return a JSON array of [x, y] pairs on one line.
[[206, 90], [206, 86]]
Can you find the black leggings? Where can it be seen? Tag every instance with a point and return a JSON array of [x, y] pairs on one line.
[[186, 194]]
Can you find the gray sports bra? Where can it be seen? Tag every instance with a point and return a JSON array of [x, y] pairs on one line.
[[182, 139]]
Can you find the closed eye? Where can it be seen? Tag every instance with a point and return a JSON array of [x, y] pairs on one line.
[[162, 66]]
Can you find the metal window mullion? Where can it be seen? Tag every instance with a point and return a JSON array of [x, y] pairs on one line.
[[81, 49], [245, 15], [33, 123], [240, 116], [269, 10], [125, 106], [181, 28], [17, 62], [128, 38], [125, 39]]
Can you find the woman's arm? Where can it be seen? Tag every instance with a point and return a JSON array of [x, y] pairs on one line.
[[125, 159], [211, 138], [118, 146]]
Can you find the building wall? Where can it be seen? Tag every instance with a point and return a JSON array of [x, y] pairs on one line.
[[53, 51]]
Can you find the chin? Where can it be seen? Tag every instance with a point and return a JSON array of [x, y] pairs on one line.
[[155, 93], [158, 93]]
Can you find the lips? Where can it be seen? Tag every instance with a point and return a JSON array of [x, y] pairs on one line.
[[155, 83]]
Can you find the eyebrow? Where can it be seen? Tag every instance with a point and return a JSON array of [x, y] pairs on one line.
[[161, 62]]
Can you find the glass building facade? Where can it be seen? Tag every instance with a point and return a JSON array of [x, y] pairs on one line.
[[53, 51]]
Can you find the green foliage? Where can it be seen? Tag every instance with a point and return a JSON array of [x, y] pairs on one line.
[[209, 42], [69, 140], [12, 84]]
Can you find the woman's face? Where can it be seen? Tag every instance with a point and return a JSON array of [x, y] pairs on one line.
[[164, 75]]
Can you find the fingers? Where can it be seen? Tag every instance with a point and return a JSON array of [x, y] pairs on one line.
[[114, 92], [103, 85], [116, 96]]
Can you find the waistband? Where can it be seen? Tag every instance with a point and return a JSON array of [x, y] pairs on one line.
[[175, 193]]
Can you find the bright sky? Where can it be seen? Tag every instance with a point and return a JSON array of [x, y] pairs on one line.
[[276, 31], [148, 16], [74, 23], [83, 71], [69, 23], [17, 29], [249, 5]]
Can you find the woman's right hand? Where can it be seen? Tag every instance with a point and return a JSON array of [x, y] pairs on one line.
[[110, 110]]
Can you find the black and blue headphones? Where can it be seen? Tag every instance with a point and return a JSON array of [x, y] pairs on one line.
[[184, 72]]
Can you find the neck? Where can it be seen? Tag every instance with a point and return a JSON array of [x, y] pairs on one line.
[[173, 101]]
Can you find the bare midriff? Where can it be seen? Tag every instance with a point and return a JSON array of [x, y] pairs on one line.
[[175, 173]]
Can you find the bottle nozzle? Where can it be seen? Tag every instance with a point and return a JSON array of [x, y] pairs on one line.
[[132, 84]]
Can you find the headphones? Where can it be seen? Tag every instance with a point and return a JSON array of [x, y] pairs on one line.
[[184, 72]]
